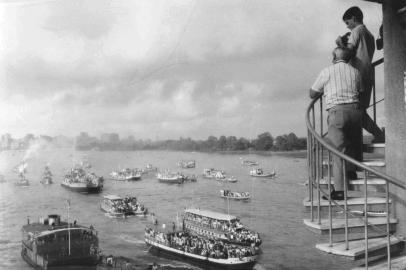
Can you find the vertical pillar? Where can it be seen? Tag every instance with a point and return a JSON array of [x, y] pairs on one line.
[[394, 27]]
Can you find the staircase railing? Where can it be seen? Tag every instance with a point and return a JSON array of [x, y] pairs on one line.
[[318, 149]]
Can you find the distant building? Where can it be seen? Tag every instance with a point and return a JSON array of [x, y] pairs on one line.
[[110, 138], [6, 141]]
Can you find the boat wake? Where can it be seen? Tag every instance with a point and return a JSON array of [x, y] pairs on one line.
[[131, 239]]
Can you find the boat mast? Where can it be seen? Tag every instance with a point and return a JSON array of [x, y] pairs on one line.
[[68, 201]]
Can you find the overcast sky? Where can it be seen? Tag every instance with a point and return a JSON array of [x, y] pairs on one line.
[[165, 69]]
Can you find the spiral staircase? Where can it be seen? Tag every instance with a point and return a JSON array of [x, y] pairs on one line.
[[361, 227]]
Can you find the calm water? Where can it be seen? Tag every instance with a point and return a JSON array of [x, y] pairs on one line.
[[275, 210]]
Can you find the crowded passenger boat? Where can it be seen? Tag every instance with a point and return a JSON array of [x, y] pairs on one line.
[[213, 174], [228, 194], [51, 243], [170, 177], [220, 226], [126, 174], [81, 181], [46, 176], [204, 251], [260, 173], [187, 164], [118, 207]]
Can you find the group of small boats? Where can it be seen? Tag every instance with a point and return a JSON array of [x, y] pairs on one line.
[[126, 174], [187, 164], [239, 196]]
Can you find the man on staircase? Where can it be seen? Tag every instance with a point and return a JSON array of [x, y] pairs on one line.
[[341, 84]]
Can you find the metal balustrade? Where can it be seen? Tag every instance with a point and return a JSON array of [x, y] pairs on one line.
[[319, 151]]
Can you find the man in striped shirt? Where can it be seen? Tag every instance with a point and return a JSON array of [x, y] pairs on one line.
[[340, 84]]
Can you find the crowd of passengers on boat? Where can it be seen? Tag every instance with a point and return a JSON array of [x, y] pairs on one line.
[[196, 245], [80, 175], [235, 230], [128, 204]]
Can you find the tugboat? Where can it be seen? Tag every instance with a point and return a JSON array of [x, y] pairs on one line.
[[21, 170], [81, 181], [170, 177], [52, 243], [46, 176]]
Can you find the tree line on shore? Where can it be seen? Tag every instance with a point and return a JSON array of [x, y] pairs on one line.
[[264, 142]]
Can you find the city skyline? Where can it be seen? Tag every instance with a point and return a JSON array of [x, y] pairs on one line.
[[165, 69]]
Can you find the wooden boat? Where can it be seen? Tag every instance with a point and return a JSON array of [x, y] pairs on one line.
[[187, 164], [169, 177], [52, 243], [239, 196], [118, 207], [213, 257], [213, 174], [260, 173], [220, 226], [126, 174], [21, 170], [81, 181]]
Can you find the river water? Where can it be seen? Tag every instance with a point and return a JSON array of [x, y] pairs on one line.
[[275, 210]]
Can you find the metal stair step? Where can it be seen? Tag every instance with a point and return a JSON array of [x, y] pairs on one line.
[[376, 148], [396, 264], [356, 248], [374, 163], [360, 181], [338, 224], [350, 201]]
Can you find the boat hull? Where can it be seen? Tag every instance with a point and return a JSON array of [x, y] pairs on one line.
[[205, 262], [89, 262], [236, 198], [171, 181], [83, 188]]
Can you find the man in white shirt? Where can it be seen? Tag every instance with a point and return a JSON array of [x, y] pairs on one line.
[[341, 84]]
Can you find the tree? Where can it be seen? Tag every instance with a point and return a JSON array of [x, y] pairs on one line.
[[263, 142]]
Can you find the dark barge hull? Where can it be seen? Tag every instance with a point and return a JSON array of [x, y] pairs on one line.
[[88, 263], [205, 264], [84, 189]]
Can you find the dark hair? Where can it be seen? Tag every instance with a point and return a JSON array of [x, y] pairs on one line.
[[353, 12]]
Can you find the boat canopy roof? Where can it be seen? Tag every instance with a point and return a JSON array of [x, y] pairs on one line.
[[211, 214], [112, 197]]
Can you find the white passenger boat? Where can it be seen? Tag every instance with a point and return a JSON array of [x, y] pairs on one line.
[[220, 255], [187, 164], [126, 174], [214, 174], [169, 177], [239, 196], [118, 207], [260, 173], [220, 226], [249, 162]]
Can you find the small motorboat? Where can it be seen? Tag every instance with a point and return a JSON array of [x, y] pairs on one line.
[[260, 173], [239, 196]]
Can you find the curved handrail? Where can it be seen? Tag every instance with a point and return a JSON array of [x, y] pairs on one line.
[[312, 130]]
